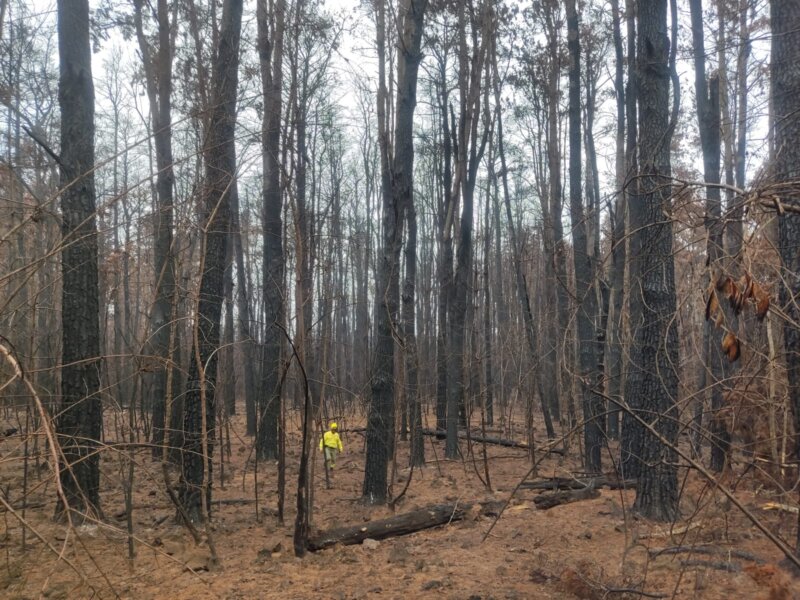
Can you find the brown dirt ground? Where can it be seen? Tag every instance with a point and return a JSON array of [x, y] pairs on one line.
[[591, 549]]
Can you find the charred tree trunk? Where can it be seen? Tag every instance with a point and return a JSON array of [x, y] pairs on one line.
[[158, 78], [555, 228], [652, 386], [403, 524], [243, 321], [270, 49], [488, 356], [615, 335], [785, 79], [584, 291], [80, 421], [220, 159], [733, 232], [409, 333], [444, 263], [708, 115], [380, 420], [632, 432], [227, 369], [397, 191], [469, 153]]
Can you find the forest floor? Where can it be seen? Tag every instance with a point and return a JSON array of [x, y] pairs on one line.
[[590, 549]]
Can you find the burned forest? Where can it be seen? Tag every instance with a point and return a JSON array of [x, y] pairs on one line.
[[346, 299]]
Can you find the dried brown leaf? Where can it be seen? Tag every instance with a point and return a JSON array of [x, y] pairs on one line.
[[712, 305], [730, 345]]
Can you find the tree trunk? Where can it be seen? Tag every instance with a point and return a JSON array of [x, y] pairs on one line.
[[469, 152], [734, 234], [708, 115], [397, 191], [403, 524], [615, 335], [80, 421], [785, 96], [158, 79], [488, 356], [243, 321], [220, 159], [270, 52], [585, 294], [632, 431], [652, 387], [444, 263], [409, 333], [557, 260], [227, 363], [380, 419]]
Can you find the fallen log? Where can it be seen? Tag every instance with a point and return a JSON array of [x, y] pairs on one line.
[[403, 524], [571, 483], [730, 567], [479, 439], [708, 551], [547, 501]]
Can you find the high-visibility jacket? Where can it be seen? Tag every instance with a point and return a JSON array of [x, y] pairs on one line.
[[331, 439]]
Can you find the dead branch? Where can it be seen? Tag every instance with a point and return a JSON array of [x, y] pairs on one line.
[[439, 434], [567, 483], [548, 501]]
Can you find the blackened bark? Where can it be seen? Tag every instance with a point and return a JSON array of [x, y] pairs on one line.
[[785, 79], [410, 337], [409, 50], [469, 152], [226, 374], [243, 325], [397, 190], [158, 78], [614, 335], [380, 419], [708, 115], [733, 232], [501, 307], [652, 386], [80, 421], [488, 357], [220, 158], [631, 430], [585, 294], [402, 524], [444, 264], [361, 353], [270, 50], [555, 227]]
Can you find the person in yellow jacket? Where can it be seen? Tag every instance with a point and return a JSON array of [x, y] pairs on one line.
[[332, 444]]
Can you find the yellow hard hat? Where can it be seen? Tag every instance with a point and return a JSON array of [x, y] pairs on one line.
[[334, 426]]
